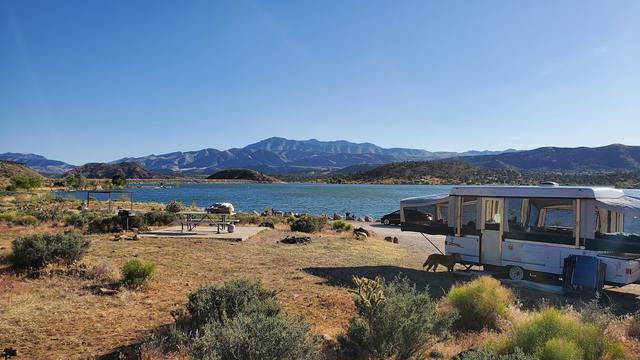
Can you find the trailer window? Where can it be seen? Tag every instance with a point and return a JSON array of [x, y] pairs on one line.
[[469, 215], [429, 214], [419, 214], [514, 214], [542, 220], [610, 223], [492, 215]]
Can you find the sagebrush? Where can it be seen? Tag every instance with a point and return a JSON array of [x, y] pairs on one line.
[[37, 250], [395, 321]]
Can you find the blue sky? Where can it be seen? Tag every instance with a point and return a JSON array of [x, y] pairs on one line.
[[98, 80]]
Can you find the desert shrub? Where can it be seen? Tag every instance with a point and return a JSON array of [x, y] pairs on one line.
[[217, 304], [157, 218], [394, 321], [37, 250], [103, 272], [13, 218], [560, 349], [480, 303], [307, 224], [554, 334], [634, 325], [238, 320], [341, 226], [76, 219], [592, 312], [174, 207], [99, 224], [8, 217], [488, 354], [26, 220], [136, 272], [26, 182], [255, 336]]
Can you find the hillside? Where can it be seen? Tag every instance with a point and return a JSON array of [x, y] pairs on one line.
[[614, 157], [129, 170], [457, 172], [11, 169], [38, 163], [242, 174], [435, 172]]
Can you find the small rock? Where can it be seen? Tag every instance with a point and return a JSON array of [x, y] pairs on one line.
[[105, 291], [368, 218], [337, 217], [359, 219], [388, 238], [395, 240], [287, 214]]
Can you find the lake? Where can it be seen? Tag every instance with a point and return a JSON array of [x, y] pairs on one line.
[[375, 200]]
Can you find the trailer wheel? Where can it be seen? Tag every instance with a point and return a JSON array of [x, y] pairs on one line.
[[516, 273]]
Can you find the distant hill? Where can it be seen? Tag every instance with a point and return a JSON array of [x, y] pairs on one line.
[[38, 163], [10, 169], [129, 170], [459, 172], [567, 160], [435, 172], [283, 156], [242, 174]]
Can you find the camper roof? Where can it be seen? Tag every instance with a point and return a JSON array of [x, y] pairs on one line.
[[548, 191]]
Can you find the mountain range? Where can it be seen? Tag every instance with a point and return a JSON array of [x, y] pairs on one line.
[[615, 157], [38, 163], [281, 156]]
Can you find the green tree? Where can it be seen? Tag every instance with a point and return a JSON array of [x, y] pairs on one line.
[[118, 180], [26, 181]]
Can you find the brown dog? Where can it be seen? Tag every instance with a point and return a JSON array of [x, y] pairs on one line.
[[449, 261]]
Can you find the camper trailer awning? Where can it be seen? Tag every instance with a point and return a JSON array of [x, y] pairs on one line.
[[627, 205], [424, 200]]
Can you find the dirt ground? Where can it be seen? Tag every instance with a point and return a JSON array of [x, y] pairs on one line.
[[61, 316]]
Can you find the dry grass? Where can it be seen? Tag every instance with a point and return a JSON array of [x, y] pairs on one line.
[[60, 316]]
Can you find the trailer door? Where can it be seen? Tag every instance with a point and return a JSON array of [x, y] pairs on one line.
[[492, 228]]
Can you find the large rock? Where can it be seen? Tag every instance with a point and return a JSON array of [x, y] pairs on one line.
[[361, 230], [368, 218]]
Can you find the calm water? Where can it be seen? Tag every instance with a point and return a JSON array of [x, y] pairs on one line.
[[375, 200]]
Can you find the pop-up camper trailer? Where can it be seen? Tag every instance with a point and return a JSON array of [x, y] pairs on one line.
[[525, 229]]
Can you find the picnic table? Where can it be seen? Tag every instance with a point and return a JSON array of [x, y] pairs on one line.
[[195, 218]]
